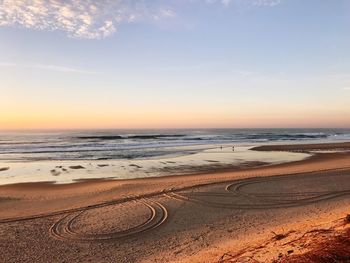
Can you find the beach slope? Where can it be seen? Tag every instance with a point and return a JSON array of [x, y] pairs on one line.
[[263, 214]]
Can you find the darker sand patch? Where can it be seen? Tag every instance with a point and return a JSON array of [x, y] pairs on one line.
[[2, 169], [135, 165], [102, 165], [54, 172], [75, 167], [5, 198], [305, 147], [209, 168]]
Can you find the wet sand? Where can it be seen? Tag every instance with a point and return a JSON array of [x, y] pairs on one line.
[[261, 214], [305, 147], [207, 160]]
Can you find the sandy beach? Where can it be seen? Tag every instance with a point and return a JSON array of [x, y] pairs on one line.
[[181, 131], [273, 213]]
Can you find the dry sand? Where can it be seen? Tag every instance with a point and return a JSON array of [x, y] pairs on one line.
[[263, 214]]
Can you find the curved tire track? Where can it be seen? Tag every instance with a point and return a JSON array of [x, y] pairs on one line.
[[258, 200], [63, 229]]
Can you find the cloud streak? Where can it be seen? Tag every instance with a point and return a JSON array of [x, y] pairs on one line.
[[7, 64], [253, 3], [60, 69], [56, 68], [94, 19]]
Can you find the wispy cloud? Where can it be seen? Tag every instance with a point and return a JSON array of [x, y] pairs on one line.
[[254, 3], [79, 18], [226, 2], [60, 69], [270, 3], [56, 68], [7, 64], [94, 19]]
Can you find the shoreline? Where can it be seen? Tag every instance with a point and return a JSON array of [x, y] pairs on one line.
[[261, 167], [214, 167], [177, 202], [215, 159]]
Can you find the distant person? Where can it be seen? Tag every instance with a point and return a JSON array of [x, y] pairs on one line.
[[233, 148], [221, 147]]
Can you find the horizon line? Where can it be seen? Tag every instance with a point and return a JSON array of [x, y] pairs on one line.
[[184, 128]]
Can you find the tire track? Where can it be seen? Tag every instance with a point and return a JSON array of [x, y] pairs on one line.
[[322, 173], [259, 200], [169, 192], [78, 209], [63, 229]]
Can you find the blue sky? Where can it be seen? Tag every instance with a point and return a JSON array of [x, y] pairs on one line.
[[185, 63]]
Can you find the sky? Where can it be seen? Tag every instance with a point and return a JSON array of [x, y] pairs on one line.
[[81, 64]]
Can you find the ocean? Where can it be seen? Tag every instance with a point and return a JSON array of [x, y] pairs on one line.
[[136, 144], [71, 156]]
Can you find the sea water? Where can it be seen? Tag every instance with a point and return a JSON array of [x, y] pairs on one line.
[[37, 156]]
